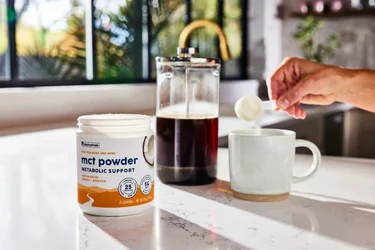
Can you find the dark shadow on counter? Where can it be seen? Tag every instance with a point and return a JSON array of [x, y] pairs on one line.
[[153, 229], [347, 222]]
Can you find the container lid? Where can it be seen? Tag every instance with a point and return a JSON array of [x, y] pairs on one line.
[[113, 120], [186, 55]]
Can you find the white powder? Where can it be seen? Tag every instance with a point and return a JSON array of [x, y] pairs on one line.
[[258, 129], [248, 108]]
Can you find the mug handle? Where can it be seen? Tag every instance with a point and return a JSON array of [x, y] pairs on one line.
[[317, 160]]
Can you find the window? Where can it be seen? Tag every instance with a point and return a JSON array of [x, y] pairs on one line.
[[3, 39], [50, 39], [73, 42]]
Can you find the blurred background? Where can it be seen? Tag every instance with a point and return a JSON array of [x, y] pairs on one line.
[[116, 40], [63, 58], [109, 41]]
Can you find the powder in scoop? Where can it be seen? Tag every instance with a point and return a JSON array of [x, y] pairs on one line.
[[248, 108]]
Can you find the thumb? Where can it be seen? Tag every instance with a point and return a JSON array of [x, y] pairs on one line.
[[295, 94]]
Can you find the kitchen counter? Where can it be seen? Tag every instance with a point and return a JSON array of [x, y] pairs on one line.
[[335, 209]]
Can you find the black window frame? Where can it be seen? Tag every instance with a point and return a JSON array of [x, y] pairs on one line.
[[11, 70]]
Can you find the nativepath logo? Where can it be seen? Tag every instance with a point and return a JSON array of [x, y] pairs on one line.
[[89, 144]]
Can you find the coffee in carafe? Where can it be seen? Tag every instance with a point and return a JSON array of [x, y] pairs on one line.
[[187, 118]]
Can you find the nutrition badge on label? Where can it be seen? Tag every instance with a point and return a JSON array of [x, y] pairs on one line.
[[128, 187], [146, 184]]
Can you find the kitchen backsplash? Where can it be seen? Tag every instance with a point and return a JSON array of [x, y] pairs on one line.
[[357, 36]]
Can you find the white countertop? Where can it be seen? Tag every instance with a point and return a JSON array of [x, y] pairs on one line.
[[333, 210]]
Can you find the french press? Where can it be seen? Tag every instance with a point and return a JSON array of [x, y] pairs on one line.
[[187, 118]]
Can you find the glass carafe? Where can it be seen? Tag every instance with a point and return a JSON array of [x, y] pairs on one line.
[[187, 118]]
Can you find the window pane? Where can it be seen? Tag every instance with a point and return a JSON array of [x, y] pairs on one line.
[[205, 38], [121, 43], [232, 29], [3, 38], [50, 37], [167, 21]]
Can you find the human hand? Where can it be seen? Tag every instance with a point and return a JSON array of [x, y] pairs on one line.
[[301, 81]]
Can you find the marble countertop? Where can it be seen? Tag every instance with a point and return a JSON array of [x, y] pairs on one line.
[[38, 210]]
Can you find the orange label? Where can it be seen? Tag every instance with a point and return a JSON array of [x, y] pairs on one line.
[[115, 172], [100, 197]]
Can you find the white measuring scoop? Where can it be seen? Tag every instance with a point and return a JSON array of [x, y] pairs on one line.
[[250, 107]]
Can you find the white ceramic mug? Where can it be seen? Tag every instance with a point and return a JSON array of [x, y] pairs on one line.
[[261, 163]]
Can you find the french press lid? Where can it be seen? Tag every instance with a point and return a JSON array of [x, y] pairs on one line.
[[187, 55]]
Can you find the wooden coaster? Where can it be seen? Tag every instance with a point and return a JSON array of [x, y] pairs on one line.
[[261, 197]]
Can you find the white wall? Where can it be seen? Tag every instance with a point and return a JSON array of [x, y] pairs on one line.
[[265, 38], [272, 36], [256, 39]]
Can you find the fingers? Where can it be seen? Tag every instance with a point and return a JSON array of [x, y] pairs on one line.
[[276, 83], [285, 77], [296, 111], [292, 81], [288, 74], [301, 114], [275, 86], [306, 86]]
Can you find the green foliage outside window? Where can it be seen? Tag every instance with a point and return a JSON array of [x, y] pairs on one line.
[[48, 53]]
